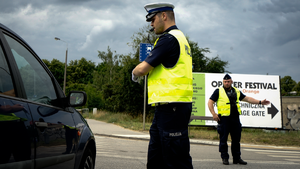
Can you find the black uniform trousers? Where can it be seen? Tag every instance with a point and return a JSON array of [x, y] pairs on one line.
[[230, 125], [169, 145]]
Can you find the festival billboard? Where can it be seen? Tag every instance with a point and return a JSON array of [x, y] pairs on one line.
[[253, 115]]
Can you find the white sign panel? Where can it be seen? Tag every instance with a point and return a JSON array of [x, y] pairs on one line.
[[259, 87]]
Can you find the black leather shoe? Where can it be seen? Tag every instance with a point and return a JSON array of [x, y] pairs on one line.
[[239, 161], [225, 161]]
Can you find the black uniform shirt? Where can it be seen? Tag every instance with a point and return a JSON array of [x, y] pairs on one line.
[[233, 107], [166, 50]]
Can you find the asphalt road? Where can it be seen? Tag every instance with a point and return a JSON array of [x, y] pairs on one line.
[[120, 153]]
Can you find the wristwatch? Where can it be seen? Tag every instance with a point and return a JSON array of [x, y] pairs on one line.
[[259, 102]]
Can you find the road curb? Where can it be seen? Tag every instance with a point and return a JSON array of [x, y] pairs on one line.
[[122, 136], [201, 142]]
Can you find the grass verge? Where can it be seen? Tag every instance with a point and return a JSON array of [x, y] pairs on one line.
[[249, 135]]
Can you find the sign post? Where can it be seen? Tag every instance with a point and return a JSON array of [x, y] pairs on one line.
[[145, 49]]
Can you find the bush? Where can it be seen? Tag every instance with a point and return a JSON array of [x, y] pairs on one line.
[[94, 97]]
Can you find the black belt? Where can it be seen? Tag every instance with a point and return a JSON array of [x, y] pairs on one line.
[[160, 104], [232, 103]]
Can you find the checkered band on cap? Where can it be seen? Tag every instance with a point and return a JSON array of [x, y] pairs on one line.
[[155, 8]]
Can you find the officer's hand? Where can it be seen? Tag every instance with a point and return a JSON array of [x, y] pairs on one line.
[[265, 102], [17, 107], [11, 109], [216, 117], [134, 77]]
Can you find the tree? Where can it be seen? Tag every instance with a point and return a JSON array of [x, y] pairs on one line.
[[57, 68], [297, 88], [80, 71], [74, 86], [111, 87], [198, 58], [94, 97], [46, 62], [110, 65], [131, 93], [106, 79], [143, 36], [201, 63], [287, 84], [113, 79], [215, 65]]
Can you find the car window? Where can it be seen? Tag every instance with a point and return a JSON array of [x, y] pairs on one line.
[[6, 85], [37, 82]]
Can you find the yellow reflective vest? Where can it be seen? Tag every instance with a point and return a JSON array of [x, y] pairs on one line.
[[172, 84], [8, 117], [4, 116], [223, 102]]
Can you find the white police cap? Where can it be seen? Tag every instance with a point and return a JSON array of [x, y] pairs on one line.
[[155, 8]]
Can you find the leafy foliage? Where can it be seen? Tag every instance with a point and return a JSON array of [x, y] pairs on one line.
[[57, 68], [201, 63], [143, 36], [297, 88], [109, 86], [287, 85], [131, 93], [80, 71], [94, 97]]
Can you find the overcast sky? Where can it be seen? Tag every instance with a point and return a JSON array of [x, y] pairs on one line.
[[254, 36]]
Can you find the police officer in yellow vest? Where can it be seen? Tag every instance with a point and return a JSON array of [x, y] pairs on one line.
[[169, 88], [228, 98]]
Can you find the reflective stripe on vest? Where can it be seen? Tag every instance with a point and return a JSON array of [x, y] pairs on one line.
[[67, 126], [9, 117], [223, 102], [172, 84]]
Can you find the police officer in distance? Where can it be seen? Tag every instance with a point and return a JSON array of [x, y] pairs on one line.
[[227, 98], [169, 88]]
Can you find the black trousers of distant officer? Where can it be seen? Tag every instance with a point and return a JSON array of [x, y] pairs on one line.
[[169, 145], [230, 125]]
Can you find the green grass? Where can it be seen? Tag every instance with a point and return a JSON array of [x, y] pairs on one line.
[[252, 136], [122, 119], [249, 135]]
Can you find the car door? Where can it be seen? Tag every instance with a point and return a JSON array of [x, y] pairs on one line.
[[16, 125], [55, 130]]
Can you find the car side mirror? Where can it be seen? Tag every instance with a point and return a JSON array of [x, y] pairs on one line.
[[77, 98]]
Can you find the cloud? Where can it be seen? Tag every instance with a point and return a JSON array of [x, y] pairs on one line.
[[255, 37], [94, 34], [278, 6]]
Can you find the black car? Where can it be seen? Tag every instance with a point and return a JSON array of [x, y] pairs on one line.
[[39, 126]]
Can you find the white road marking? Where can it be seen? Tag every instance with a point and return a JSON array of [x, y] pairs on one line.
[[293, 156], [285, 156], [297, 160], [273, 151]]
